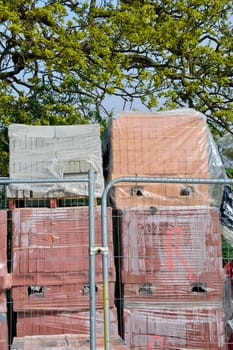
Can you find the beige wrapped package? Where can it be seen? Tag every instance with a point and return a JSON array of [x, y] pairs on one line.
[[54, 153]]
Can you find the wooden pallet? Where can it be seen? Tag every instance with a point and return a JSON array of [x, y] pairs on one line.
[[14, 203], [63, 342]]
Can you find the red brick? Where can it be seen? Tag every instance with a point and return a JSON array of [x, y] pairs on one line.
[[159, 145], [52, 245], [175, 327], [3, 323], [170, 249], [63, 322], [3, 250], [72, 297]]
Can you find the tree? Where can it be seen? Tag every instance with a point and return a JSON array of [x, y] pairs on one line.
[[41, 107], [168, 53]]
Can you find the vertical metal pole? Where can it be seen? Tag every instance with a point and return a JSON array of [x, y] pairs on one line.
[[92, 261], [105, 270]]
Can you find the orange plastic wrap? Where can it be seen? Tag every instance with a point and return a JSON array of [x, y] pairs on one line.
[[63, 342], [181, 327], [54, 322], [59, 297], [174, 143], [50, 246], [170, 253]]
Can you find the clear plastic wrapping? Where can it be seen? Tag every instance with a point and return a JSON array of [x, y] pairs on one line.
[[172, 144], [56, 153], [70, 297], [170, 253], [171, 327], [3, 323], [63, 322], [51, 246], [226, 149], [3, 250]]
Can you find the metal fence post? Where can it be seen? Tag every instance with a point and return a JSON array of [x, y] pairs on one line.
[[92, 261], [105, 268]]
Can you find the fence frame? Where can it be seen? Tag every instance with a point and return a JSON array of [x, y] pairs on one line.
[[104, 248], [90, 179]]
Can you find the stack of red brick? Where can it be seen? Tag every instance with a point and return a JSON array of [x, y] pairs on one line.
[[3, 281], [50, 277], [50, 246], [169, 237]]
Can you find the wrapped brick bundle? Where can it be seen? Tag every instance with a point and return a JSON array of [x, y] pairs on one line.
[[51, 246], [4, 277], [63, 322], [175, 327], [170, 253], [59, 297], [3, 323], [54, 152], [174, 143]]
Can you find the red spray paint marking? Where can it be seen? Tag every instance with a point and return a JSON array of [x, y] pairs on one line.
[[170, 250], [155, 342]]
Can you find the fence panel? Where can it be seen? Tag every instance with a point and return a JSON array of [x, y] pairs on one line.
[[173, 263], [51, 276]]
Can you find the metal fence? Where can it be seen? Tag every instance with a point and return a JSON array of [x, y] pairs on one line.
[[140, 271], [155, 298], [32, 293]]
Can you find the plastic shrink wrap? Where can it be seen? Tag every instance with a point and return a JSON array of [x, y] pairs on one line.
[[226, 150], [3, 323], [59, 297], [63, 342], [170, 253], [176, 144], [183, 327], [5, 281], [5, 278], [50, 246], [56, 153], [226, 211], [55, 322]]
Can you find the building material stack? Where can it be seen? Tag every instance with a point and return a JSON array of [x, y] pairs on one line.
[[54, 153], [168, 235], [50, 246], [50, 276], [3, 281]]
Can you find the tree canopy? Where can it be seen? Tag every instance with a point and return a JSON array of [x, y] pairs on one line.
[[60, 59]]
